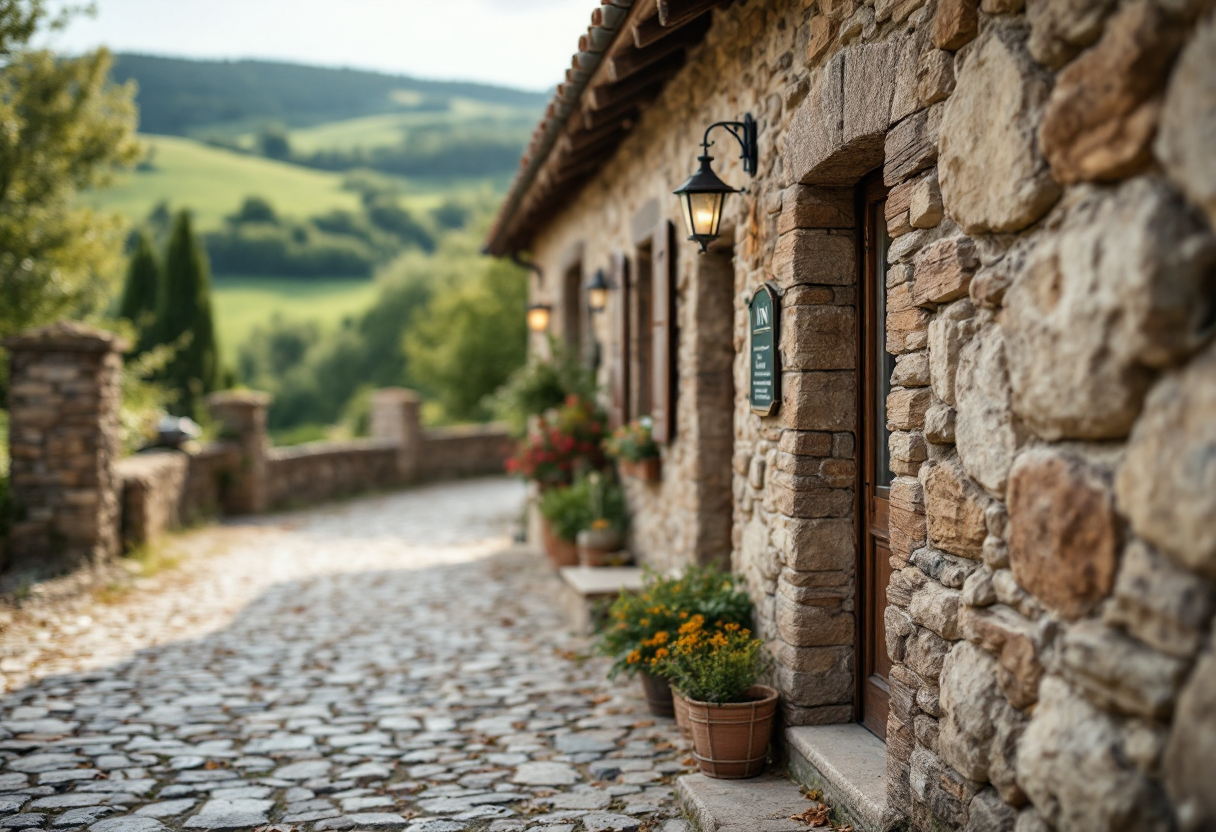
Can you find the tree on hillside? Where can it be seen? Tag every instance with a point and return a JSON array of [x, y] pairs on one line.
[[471, 340], [184, 318], [142, 291], [66, 129]]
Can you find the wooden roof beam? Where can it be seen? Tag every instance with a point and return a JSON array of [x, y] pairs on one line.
[[630, 61], [602, 96]]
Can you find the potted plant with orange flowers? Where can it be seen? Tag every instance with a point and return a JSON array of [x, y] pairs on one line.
[[600, 543], [713, 674], [633, 447], [642, 625]]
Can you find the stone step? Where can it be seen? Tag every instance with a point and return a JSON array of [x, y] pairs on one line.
[[588, 590], [849, 765], [760, 804]]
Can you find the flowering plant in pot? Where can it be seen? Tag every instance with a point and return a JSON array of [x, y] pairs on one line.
[[642, 625], [633, 447], [714, 673], [566, 441], [565, 510], [600, 543]]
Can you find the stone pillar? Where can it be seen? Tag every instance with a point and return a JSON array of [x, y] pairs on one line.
[[64, 441], [243, 415], [396, 418]]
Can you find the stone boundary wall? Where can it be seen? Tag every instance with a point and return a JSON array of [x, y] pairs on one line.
[[318, 471], [1049, 300], [463, 451]]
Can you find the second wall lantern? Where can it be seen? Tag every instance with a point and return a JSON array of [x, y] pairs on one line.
[[703, 195], [597, 292], [538, 316]]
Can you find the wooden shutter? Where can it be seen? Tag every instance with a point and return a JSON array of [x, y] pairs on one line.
[[618, 371], [663, 334]]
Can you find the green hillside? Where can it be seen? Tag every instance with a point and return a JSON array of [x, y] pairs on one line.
[[184, 97], [213, 182]]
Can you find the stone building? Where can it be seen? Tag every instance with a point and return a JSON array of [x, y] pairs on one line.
[[980, 527]]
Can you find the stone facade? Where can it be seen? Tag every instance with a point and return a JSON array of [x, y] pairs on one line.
[[1049, 303]]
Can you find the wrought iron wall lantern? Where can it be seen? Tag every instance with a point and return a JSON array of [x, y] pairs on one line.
[[704, 194], [538, 316], [597, 292]]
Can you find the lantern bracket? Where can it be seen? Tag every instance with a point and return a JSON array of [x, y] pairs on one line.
[[745, 134]]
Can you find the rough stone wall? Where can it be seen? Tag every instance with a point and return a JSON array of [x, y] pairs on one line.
[[464, 451], [319, 471], [64, 437], [153, 487], [1050, 303]]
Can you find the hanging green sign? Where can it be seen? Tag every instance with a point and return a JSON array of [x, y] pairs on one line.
[[765, 369]]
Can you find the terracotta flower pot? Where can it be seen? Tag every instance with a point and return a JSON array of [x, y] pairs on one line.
[[658, 695], [559, 552], [648, 470], [681, 709], [626, 467], [730, 742]]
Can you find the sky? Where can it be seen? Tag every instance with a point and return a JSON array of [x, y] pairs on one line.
[[517, 43]]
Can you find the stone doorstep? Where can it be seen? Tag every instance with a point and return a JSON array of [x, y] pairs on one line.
[[585, 587], [848, 764], [760, 804]]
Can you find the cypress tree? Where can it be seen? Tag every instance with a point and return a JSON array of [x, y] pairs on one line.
[[185, 307], [142, 291]]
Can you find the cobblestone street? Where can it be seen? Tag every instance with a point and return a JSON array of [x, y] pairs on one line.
[[387, 663]]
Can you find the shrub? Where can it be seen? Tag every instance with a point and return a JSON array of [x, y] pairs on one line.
[[542, 385], [642, 624], [567, 510], [715, 666], [562, 446]]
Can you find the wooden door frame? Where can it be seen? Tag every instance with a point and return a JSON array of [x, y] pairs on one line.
[[868, 192]]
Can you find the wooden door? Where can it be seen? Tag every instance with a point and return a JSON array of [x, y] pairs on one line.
[[876, 365]]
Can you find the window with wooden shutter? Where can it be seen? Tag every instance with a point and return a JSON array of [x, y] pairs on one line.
[[641, 352], [663, 333], [618, 411]]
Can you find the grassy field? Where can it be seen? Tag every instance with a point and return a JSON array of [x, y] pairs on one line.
[[213, 182], [242, 303]]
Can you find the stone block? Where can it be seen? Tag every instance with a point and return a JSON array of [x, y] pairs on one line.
[[986, 431], [816, 152], [924, 652], [943, 271], [1191, 749], [1059, 30], [907, 447], [824, 401], [1074, 765], [955, 24], [936, 608], [808, 207], [940, 424], [908, 531], [903, 583], [818, 338], [912, 145], [948, 570], [911, 370], [978, 591], [1119, 673], [993, 177], [1159, 602], [906, 408], [955, 507], [1188, 121], [829, 683], [1011, 637], [925, 208], [952, 327], [973, 707], [1103, 112], [1165, 482], [1063, 533], [989, 813], [907, 331], [1118, 290], [816, 257], [806, 626], [935, 76]]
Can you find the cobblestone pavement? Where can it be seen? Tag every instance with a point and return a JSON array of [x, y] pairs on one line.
[[387, 663]]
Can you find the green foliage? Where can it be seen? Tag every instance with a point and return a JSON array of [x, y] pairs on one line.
[[144, 400], [274, 144], [471, 340], [541, 385], [451, 215], [716, 666], [254, 209], [567, 509], [186, 310], [142, 291], [640, 624], [66, 128]]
